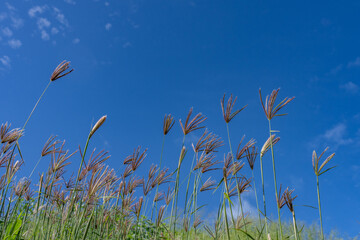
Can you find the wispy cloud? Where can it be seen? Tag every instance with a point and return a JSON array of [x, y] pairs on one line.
[[14, 43], [7, 32], [60, 17], [76, 41], [49, 20], [5, 61], [54, 30], [72, 2], [43, 23], [34, 11], [336, 69], [350, 87], [334, 137], [10, 7], [127, 44], [108, 26], [44, 35], [355, 63]]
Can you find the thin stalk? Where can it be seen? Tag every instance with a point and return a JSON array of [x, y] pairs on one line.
[[231, 211], [175, 199], [276, 191], [226, 221], [188, 184], [35, 167], [263, 191], [257, 203], [27, 120], [294, 224], [157, 186], [318, 194], [82, 160], [237, 183]]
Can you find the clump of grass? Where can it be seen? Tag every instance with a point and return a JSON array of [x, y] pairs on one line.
[[96, 202]]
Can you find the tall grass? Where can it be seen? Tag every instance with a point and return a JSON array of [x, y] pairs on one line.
[[96, 202]]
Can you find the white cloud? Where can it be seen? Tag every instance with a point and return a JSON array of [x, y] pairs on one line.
[[60, 17], [337, 135], [70, 2], [35, 10], [76, 41], [7, 32], [10, 7], [3, 16], [5, 61], [107, 4], [337, 69], [54, 30], [249, 210], [17, 22], [333, 137], [127, 44], [14, 43], [350, 87], [44, 35], [355, 63], [43, 23], [108, 26]]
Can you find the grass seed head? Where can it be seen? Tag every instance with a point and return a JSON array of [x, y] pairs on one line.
[[97, 125], [289, 199], [60, 71], [267, 144], [269, 107], [208, 185], [240, 151], [168, 123], [251, 154], [315, 161], [194, 124], [228, 116]]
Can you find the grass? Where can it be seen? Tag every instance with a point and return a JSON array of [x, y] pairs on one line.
[[97, 203]]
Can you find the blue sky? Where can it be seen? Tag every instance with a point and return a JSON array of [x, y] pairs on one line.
[[137, 60]]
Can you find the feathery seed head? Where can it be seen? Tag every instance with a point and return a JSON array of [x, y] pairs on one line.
[[194, 124], [315, 161], [228, 116], [289, 199], [267, 144], [251, 156], [269, 107], [168, 123], [240, 151], [60, 71]]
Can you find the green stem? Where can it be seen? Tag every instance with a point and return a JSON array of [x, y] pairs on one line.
[[157, 186], [274, 171], [188, 184], [27, 120], [318, 194], [263, 191], [257, 203], [226, 221], [175, 199], [295, 227], [237, 182]]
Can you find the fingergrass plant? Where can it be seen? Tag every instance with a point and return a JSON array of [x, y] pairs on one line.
[[95, 202], [271, 110], [319, 170]]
